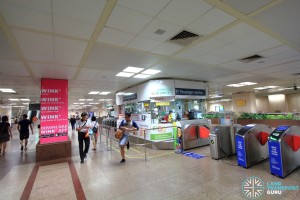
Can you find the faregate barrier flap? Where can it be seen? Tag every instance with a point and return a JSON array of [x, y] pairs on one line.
[[284, 144], [251, 144]]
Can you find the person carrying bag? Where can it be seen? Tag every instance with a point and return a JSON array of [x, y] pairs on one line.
[[82, 126]]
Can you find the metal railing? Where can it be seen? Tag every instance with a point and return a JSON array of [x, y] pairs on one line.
[[109, 133]]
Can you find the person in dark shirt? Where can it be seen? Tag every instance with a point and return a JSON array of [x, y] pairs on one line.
[[23, 128], [5, 134], [73, 122], [126, 126]]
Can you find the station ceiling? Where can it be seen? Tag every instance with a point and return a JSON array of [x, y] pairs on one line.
[[89, 42]]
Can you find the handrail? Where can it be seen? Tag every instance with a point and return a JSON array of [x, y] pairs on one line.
[[112, 128]]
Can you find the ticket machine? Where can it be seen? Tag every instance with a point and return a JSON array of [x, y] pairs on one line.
[[284, 144], [251, 144]]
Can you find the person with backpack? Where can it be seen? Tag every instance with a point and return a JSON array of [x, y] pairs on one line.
[[94, 136], [5, 133], [82, 126], [126, 126]]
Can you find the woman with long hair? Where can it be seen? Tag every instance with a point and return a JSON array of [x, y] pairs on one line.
[[5, 134]]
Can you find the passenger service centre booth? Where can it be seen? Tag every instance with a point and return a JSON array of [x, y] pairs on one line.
[[159, 106]]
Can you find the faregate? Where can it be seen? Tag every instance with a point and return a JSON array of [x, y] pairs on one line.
[[284, 144], [251, 144], [222, 143]]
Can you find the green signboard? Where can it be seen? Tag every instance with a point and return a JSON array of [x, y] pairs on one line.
[[161, 136]]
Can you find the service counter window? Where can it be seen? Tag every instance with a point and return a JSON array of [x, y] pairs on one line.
[[163, 112]]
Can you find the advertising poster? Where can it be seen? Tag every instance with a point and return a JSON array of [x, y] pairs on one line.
[[54, 111]]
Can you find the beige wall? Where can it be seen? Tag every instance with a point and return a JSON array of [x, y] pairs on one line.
[[293, 102], [227, 106], [277, 103], [262, 105], [250, 100]]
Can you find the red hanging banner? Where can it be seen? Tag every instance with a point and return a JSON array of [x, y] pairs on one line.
[[54, 111]]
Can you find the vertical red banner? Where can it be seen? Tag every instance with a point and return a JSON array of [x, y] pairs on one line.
[[54, 111]]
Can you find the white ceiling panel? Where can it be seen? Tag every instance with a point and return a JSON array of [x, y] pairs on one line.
[[211, 21], [68, 51], [209, 45], [231, 51], [35, 46], [246, 6], [233, 77], [127, 20], [288, 67], [189, 53], [210, 59], [279, 14], [211, 74], [279, 53], [12, 67], [109, 76], [41, 5], [72, 27], [167, 48], [143, 44], [87, 74], [27, 18], [84, 11], [6, 50], [236, 32], [52, 71], [257, 42], [185, 12], [151, 8], [115, 37], [170, 30]]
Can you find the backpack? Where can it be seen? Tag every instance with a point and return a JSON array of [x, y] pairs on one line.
[[95, 130]]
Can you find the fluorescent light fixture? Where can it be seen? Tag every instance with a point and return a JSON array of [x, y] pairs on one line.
[[101, 100], [129, 93], [89, 99], [25, 103], [7, 90], [120, 93], [14, 99], [104, 93], [272, 86], [247, 83], [260, 88], [81, 103], [151, 71], [235, 85], [25, 99], [142, 76], [93, 103], [81, 99], [93, 92], [125, 74], [108, 99], [19, 106], [133, 69], [75, 103]]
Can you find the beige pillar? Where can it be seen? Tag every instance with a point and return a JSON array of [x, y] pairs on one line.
[[244, 102]]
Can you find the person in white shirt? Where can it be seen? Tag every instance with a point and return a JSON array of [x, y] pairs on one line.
[[82, 126], [94, 136]]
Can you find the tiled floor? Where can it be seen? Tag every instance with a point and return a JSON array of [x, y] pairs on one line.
[[165, 175]]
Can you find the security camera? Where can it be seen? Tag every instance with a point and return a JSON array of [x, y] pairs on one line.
[[295, 87]]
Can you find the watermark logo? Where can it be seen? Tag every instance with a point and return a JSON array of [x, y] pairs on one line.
[[253, 187]]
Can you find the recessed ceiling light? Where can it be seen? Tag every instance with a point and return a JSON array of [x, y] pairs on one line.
[[25, 99], [247, 83], [25, 103], [151, 71], [235, 85], [133, 69], [14, 99], [142, 76], [272, 86], [104, 93], [260, 88], [93, 92], [75, 103], [125, 74], [7, 90], [120, 93], [129, 93], [81, 103], [89, 99], [81, 99]]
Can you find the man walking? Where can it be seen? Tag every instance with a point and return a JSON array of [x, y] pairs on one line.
[[82, 127], [23, 128]]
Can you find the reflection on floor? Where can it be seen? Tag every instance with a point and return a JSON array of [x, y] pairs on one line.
[[165, 175]]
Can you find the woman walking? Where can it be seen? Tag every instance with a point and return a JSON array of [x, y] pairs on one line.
[[5, 134]]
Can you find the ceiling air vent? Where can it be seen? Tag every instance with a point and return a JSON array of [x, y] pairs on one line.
[[185, 38], [296, 74], [251, 58]]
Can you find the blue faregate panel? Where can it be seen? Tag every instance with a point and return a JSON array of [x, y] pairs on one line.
[[240, 151], [275, 158]]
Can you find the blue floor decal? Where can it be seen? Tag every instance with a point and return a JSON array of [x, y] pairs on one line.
[[193, 155]]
